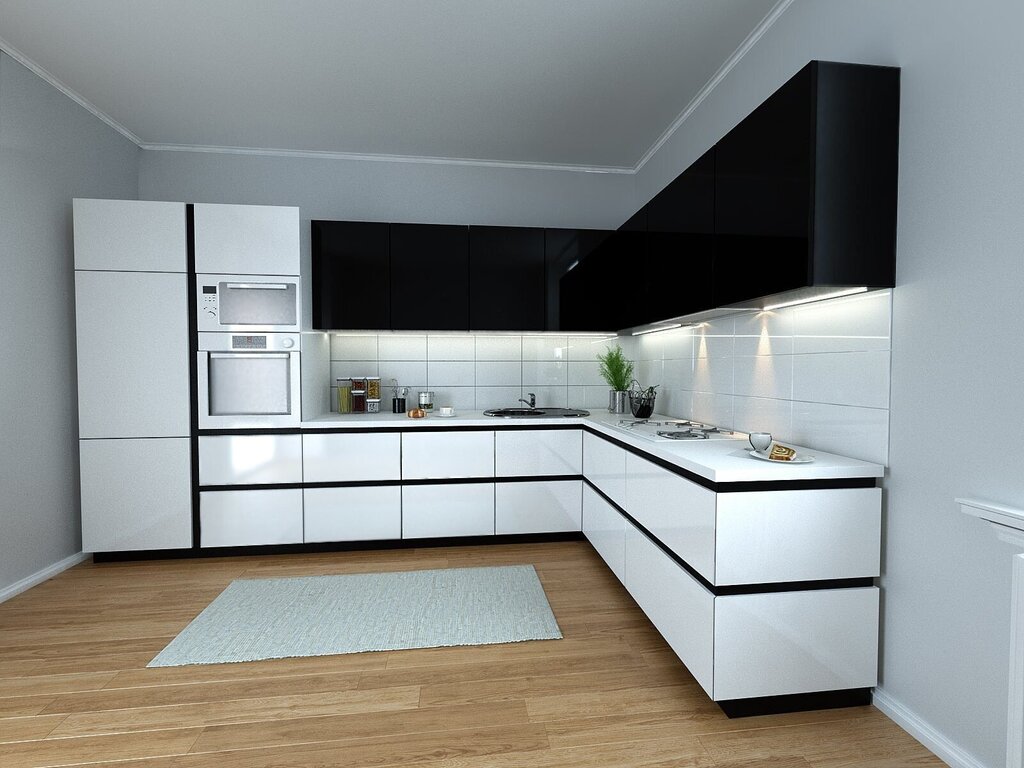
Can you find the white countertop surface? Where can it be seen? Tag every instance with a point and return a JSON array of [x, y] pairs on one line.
[[721, 461]]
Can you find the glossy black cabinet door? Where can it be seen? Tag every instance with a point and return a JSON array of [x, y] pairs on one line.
[[506, 279], [681, 243], [429, 277], [763, 197], [351, 275], [573, 266]]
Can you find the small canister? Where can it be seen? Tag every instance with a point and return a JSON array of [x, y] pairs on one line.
[[373, 394], [427, 400], [344, 395], [359, 395], [398, 405]]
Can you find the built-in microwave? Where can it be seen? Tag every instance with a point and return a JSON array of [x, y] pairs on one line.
[[248, 380], [247, 303]]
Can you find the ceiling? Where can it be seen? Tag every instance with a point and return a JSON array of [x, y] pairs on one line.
[[592, 83]]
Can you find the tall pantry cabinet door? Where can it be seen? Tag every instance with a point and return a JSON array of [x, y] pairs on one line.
[[130, 235], [133, 358], [247, 239], [136, 494]]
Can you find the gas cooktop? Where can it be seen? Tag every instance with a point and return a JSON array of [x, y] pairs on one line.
[[667, 430]]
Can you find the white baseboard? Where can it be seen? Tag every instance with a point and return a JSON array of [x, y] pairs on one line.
[[950, 753], [6, 593]]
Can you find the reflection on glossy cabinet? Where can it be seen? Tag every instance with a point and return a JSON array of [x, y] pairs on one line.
[[352, 514], [605, 529], [538, 507], [250, 459], [351, 457], [437, 455], [604, 464], [525, 452], [466, 509]]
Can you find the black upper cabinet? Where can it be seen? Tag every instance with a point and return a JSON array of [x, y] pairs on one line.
[[506, 279], [575, 266], [681, 244], [805, 186], [429, 277], [351, 275]]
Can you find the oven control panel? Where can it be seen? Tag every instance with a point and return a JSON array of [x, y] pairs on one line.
[[248, 342]]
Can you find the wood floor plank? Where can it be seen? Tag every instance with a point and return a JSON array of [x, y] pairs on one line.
[[28, 728], [94, 749], [45, 684], [672, 698]]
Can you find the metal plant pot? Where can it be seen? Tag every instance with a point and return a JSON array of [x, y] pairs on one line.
[[617, 401]]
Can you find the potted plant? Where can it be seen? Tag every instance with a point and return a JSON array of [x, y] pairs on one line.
[[618, 372]]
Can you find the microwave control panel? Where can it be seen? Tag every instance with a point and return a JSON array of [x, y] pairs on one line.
[[208, 301]]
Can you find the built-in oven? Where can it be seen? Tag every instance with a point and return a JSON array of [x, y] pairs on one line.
[[248, 380], [246, 303]]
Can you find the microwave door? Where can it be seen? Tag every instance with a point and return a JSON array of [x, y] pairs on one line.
[[262, 304], [249, 384]]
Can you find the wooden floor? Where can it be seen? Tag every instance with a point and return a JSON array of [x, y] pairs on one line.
[[74, 688]]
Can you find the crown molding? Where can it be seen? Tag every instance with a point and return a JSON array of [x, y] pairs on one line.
[[325, 155], [749, 42], [30, 65]]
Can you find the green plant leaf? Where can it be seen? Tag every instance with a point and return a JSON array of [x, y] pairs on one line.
[[616, 369]]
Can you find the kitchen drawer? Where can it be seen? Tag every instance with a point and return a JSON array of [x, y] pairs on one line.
[[538, 507], [677, 512], [466, 509], [676, 603], [770, 536], [521, 453], [438, 455], [246, 518], [795, 642], [246, 239], [250, 459], [363, 513], [344, 457], [604, 464], [605, 529]]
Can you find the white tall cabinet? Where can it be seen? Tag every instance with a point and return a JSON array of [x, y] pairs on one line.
[[131, 310]]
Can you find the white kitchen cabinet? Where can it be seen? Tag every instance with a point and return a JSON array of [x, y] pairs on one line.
[[538, 507], [680, 607], [770, 536], [250, 518], [246, 239], [440, 455], [604, 464], [358, 513], [605, 529], [522, 453], [778, 643], [136, 494], [677, 512], [464, 509], [133, 354], [351, 457], [130, 236], [250, 459]]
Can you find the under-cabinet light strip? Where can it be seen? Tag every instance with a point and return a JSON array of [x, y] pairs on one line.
[[659, 329], [822, 297]]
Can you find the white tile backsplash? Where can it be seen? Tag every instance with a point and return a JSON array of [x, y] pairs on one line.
[[499, 347], [542, 348], [490, 373], [850, 324], [842, 378], [451, 348], [497, 397], [346, 369], [451, 374], [401, 347], [861, 433], [360, 347], [585, 374], [546, 373], [763, 376], [407, 372], [587, 348]]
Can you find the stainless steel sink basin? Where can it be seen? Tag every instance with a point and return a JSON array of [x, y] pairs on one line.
[[515, 413]]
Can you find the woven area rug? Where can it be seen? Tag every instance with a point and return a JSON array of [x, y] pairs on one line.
[[321, 615]]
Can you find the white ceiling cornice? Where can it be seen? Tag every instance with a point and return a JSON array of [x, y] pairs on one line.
[[755, 35]]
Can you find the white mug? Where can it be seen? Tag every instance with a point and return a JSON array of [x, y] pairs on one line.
[[760, 441], [447, 410]]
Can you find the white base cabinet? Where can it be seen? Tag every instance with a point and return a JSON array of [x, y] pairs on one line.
[[604, 464], [442, 455], [528, 452], [336, 458], [605, 529], [250, 459], [358, 513], [465, 509], [250, 518], [538, 507]]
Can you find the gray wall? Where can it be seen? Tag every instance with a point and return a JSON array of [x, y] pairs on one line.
[[957, 362], [51, 150]]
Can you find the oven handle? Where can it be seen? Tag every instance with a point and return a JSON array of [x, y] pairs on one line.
[[256, 355], [259, 286]]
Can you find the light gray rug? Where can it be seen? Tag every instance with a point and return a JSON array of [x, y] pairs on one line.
[[321, 615]]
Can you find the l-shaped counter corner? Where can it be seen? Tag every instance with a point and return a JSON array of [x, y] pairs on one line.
[[759, 576]]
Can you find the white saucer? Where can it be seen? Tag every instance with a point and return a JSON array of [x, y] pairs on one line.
[[798, 459], [444, 415]]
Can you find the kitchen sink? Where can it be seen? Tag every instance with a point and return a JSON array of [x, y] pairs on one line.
[[514, 413]]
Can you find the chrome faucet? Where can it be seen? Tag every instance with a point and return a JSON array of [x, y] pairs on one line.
[[532, 402]]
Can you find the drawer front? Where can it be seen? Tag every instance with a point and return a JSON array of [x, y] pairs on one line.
[[605, 529], [438, 455], [430, 511], [538, 452], [604, 464], [795, 642], [768, 536], [352, 514], [677, 512], [676, 603], [540, 507], [345, 457], [246, 518], [250, 459]]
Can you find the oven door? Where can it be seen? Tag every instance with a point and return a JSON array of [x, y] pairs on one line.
[[246, 303], [244, 388]]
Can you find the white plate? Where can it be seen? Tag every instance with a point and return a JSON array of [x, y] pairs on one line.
[[798, 459], [444, 415]]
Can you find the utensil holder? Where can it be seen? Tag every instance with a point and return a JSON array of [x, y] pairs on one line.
[[642, 404], [617, 401]]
